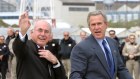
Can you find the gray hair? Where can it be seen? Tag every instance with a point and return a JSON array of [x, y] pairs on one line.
[[35, 21], [10, 28], [2, 36], [95, 13]]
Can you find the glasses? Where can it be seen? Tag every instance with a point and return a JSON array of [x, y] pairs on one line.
[[41, 30], [132, 38], [112, 34], [66, 35]]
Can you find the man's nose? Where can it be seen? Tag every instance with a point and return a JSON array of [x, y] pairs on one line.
[[97, 26]]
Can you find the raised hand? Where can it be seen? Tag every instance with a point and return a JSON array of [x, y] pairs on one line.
[[24, 23]]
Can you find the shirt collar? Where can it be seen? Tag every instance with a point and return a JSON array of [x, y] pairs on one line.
[[101, 40], [40, 46]]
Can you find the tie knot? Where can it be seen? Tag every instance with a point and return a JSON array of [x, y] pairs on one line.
[[104, 42], [41, 48]]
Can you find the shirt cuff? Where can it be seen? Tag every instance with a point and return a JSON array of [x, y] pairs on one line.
[[57, 65], [22, 37]]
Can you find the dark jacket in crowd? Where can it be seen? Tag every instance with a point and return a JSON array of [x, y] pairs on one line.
[[9, 38], [66, 47], [120, 48], [54, 47], [117, 39], [4, 50]]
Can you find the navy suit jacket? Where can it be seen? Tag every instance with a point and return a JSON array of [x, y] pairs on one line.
[[88, 61]]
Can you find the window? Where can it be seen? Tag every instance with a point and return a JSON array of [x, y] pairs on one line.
[[82, 9], [45, 9]]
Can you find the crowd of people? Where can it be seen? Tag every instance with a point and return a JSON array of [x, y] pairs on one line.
[[96, 56]]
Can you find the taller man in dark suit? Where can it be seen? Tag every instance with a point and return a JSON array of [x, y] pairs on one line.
[[33, 61], [97, 57]]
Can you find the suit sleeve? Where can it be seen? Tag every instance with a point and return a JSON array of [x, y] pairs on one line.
[[78, 63], [19, 47], [60, 72]]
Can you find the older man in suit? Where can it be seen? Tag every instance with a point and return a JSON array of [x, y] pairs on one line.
[[97, 57], [33, 60]]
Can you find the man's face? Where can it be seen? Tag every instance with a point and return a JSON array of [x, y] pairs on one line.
[[41, 33], [10, 32], [66, 35], [132, 39], [83, 35], [112, 34], [1, 40], [97, 26]]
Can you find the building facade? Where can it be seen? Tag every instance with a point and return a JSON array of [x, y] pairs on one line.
[[75, 12]]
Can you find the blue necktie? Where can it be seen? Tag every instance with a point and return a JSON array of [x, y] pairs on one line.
[[108, 57]]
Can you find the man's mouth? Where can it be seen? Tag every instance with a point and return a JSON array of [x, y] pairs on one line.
[[98, 32], [42, 37]]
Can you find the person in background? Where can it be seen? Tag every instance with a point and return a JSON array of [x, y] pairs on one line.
[[12, 59], [11, 35], [66, 44], [34, 61], [16, 32], [131, 50], [112, 34], [83, 35], [54, 47], [97, 57], [126, 40], [4, 53]]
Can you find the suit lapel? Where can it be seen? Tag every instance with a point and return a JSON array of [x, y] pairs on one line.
[[43, 62], [33, 46], [100, 54], [102, 59]]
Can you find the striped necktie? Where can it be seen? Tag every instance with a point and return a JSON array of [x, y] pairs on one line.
[[108, 57]]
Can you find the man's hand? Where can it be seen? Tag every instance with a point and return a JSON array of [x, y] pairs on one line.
[[24, 23], [131, 56], [48, 55]]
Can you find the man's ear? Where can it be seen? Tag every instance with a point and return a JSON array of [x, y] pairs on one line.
[[107, 24]]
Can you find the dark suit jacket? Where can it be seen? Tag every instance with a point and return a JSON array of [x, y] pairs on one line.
[[54, 47], [30, 65], [88, 61]]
